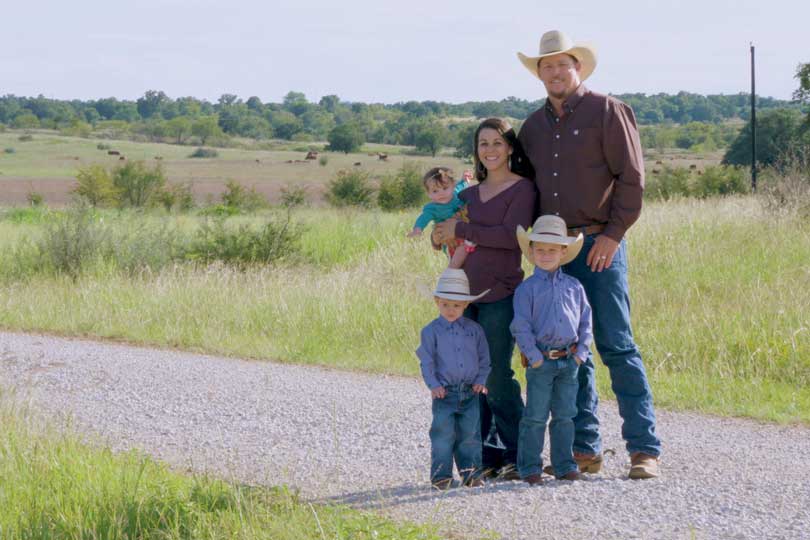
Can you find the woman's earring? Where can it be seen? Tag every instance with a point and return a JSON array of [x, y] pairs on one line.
[[509, 162]]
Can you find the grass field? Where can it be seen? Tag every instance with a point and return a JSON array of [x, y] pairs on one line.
[[56, 486], [719, 295]]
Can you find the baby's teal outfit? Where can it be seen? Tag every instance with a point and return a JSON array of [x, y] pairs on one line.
[[437, 212]]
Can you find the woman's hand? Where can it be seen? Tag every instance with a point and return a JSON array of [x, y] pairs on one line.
[[445, 231]]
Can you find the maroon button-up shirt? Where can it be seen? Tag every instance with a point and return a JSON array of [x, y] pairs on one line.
[[588, 163]]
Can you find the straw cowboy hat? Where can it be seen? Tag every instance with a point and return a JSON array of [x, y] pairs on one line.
[[454, 285], [555, 42], [550, 229]]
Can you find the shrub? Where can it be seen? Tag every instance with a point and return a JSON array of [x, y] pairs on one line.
[[9, 150], [293, 196], [219, 210], [34, 198], [103, 146], [70, 242], [2, 127], [244, 245], [720, 180], [204, 153], [403, 190], [670, 182], [25, 138], [323, 160], [350, 188], [785, 188], [137, 184], [175, 196], [95, 186], [238, 197]]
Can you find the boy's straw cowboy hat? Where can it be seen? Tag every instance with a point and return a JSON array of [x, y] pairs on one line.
[[552, 230], [454, 285], [555, 42]]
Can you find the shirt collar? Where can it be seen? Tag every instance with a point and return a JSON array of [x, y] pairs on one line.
[[545, 275], [447, 325], [571, 103]]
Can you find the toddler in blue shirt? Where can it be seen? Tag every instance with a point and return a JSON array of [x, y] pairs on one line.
[[454, 358], [443, 191], [553, 329]]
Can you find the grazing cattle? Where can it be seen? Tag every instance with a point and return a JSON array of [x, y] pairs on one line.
[[122, 158], [372, 154], [357, 164], [258, 161], [692, 167], [312, 155], [700, 172], [288, 161], [159, 158], [656, 171], [383, 157], [113, 153], [659, 162]]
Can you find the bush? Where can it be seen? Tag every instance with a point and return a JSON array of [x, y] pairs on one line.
[[177, 196], [9, 150], [204, 153], [34, 199], [244, 246], [103, 146], [25, 138], [785, 188], [350, 188], [670, 182], [70, 242], [293, 196], [219, 210], [136, 184], [2, 127], [323, 160], [720, 180], [238, 197], [95, 186], [403, 190]]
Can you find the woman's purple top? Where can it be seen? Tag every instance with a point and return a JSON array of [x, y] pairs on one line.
[[495, 263]]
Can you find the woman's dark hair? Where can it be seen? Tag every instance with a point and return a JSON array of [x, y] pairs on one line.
[[519, 161]]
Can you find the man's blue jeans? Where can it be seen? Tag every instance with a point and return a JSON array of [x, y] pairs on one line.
[[608, 294], [455, 433], [550, 387]]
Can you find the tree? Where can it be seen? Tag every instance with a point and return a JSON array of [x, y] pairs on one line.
[[465, 135], [330, 102], [296, 103], [802, 94], [25, 120], [346, 138], [430, 137], [285, 124], [206, 127], [149, 105], [179, 127], [778, 134], [95, 185], [137, 184]]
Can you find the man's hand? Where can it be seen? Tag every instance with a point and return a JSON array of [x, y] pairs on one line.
[[445, 231], [601, 254], [415, 232], [480, 389], [438, 393]]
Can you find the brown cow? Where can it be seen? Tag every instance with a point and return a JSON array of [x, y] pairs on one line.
[[312, 155], [383, 157], [692, 167], [122, 158], [357, 163], [659, 162], [656, 171], [159, 158], [113, 153]]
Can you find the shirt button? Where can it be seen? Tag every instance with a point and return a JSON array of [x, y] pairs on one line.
[[555, 155], [558, 135], [556, 213], [555, 174], [555, 194], [557, 120]]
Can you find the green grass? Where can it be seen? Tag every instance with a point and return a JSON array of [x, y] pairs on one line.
[[52, 485], [719, 294]]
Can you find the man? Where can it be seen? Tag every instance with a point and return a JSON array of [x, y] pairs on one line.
[[586, 152]]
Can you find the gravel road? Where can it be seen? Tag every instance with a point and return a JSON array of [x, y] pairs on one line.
[[362, 440]]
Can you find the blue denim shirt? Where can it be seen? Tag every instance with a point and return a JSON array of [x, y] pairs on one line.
[[453, 353], [551, 312]]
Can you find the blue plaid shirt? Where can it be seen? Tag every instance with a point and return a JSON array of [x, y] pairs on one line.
[[551, 312], [453, 353]]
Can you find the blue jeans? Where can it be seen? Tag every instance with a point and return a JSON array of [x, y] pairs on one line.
[[550, 387], [503, 403], [608, 294], [455, 433]]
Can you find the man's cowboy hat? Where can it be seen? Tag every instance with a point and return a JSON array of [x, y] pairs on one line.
[[550, 229], [555, 42], [454, 285]]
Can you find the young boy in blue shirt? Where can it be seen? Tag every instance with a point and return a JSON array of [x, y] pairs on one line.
[[553, 329], [454, 358]]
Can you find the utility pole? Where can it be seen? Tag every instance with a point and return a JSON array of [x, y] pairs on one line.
[[753, 124]]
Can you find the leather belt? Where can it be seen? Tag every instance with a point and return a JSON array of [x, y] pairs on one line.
[[587, 229], [556, 354]]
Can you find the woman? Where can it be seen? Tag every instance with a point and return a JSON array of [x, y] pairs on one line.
[[504, 199]]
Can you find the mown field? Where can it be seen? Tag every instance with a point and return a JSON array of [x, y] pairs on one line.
[[720, 291]]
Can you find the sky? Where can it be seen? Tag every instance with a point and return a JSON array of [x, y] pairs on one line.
[[385, 52]]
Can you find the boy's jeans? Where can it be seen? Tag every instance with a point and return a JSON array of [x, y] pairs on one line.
[[552, 386], [455, 433], [608, 293]]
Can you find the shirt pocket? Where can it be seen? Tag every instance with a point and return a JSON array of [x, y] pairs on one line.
[[588, 143]]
